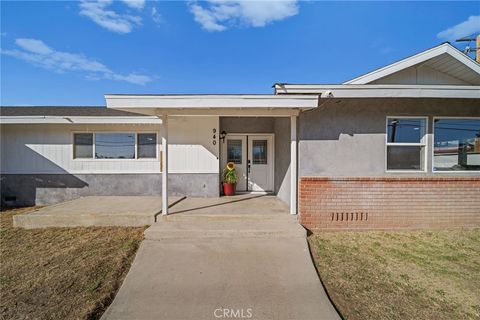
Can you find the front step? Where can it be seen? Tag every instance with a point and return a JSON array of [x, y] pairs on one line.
[[212, 229], [226, 217]]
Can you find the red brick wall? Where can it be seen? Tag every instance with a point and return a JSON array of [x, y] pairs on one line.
[[388, 203]]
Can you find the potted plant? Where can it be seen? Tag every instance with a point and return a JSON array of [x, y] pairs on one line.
[[229, 177]]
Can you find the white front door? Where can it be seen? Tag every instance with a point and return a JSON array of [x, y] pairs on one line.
[[236, 152], [253, 157], [260, 163]]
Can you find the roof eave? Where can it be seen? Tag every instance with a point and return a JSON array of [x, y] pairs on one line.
[[384, 91], [210, 102]]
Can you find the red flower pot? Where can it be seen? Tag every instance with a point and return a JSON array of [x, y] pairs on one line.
[[229, 189]]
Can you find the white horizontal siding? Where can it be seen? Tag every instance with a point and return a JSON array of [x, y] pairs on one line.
[[191, 144], [48, 149]]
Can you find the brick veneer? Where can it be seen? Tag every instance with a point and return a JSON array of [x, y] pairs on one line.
[[388, 203]]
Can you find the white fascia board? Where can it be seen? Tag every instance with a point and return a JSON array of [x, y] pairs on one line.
[[457, 93], [464, 59], [414, 60], [210, 101], [222, 112], [384, 91], [78, 120]]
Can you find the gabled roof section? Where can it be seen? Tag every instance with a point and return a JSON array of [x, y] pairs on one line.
[[443, 64]]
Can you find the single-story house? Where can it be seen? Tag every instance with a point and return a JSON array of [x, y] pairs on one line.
[[398, 147]]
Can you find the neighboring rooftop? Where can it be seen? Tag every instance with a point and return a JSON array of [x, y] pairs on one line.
[[77, 111], [72, 115]]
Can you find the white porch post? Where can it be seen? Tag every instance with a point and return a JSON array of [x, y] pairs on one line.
[[293, 164], [164, 164]]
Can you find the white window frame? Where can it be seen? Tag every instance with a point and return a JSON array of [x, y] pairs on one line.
[[433, 147], [423, 143], [105, 131]]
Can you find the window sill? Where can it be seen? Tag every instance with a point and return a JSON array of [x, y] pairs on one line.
[[406, 171]]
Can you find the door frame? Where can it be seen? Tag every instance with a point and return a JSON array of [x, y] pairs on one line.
[[223, 145]]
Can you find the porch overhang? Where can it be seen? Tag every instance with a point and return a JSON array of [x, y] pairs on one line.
[[380, 91], [207, 105]]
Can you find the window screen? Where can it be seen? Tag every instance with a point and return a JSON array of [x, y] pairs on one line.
[[146, 145], [405, 158], [83, 145]]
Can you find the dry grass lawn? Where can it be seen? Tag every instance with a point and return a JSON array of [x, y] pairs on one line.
[[62, 273], [401, 275]]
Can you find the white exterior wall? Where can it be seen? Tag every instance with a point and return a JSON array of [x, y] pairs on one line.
[[47, 149], [191, 147]]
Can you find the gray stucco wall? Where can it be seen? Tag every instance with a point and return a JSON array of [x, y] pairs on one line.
[[280, 126], [39, 189], [247, 124], [282, 158], [346, 137]]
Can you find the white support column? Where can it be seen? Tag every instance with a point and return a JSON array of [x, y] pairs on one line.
[[293, 164], [164, 132]]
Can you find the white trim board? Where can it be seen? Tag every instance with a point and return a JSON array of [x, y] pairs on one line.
[[167, 102], [383, 91]]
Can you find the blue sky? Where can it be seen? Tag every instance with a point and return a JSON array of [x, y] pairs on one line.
[[71, 53]]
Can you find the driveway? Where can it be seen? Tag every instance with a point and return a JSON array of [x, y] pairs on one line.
[[245, 268]]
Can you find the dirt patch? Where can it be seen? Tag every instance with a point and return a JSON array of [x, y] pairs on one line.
[[401, 275], [62, 273]]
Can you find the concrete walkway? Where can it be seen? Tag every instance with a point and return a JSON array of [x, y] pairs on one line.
[[212, 268]]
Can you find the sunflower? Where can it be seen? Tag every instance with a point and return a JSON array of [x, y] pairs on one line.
[[231, 166]]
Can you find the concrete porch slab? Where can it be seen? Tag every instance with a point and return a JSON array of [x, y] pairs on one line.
[[124, 211], [244, 206]]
